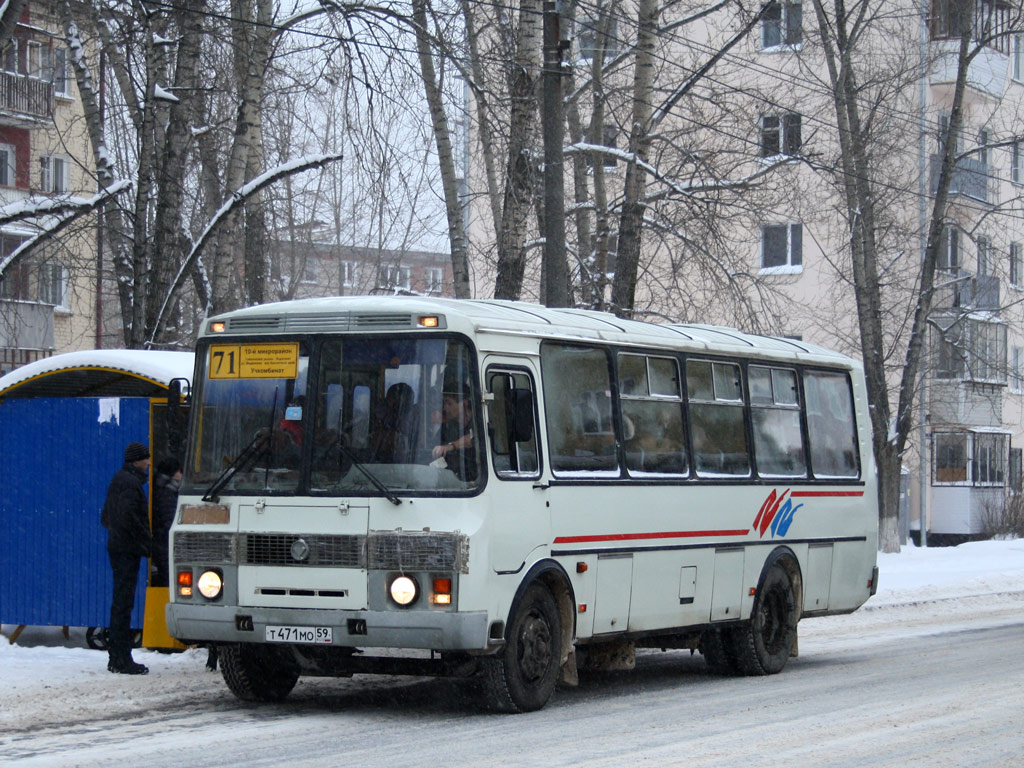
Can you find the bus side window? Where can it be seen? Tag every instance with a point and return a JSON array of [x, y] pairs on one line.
[[775, 412], [512, 424], [652, 414], [831, 425], [578, 409], [716, 419]]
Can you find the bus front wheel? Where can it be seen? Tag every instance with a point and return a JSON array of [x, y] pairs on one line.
[[763, 645], [522, 677], [257, 672]]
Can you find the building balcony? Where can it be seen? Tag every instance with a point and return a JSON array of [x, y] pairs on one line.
[[25, 100], [957, 289], [26, 325], [970, 178]]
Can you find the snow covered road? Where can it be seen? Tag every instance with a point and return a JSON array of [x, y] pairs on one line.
[[930, 672]]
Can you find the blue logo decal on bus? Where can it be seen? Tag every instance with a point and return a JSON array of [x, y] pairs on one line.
[[776, 513]]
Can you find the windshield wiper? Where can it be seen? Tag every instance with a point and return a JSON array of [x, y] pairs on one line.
[[388, 493], [250, 452]]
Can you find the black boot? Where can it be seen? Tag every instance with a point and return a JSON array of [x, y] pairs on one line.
[[125, 665]]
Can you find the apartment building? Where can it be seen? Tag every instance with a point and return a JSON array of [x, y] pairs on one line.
[[47, 299], [773, 254]]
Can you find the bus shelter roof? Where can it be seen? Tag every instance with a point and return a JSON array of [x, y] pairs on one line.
[[100, 373]]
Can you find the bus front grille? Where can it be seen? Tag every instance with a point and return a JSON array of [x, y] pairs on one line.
[[322, 550]]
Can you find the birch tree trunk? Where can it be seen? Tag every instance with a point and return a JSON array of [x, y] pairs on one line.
[[520, 171], [446, 160], [632, 218]]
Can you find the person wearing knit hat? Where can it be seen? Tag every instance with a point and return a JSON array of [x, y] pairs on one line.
[[125, 515]]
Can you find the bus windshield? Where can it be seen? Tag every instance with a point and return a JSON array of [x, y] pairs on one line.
[[380, 416]]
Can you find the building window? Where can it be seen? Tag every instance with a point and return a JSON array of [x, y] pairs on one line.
[[1015, 264], [433, 280], [7, 165], [348, 274], [988, 463], [53, 284], [984, 255], [609, 138], [1017, 61], [55, 70], [587, 33], [782, 247], [949, 249], [1017, 163], [10, 57], [55, 177], [780, 134], [1015, 473], [782, 25], [309, 269], [393, 276], [1017, 370], [965, 348], [34, 59], [983, 146]]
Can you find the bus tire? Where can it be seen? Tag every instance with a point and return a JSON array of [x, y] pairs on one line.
[[256, 672], [522, 677], [717, 648], [762, 646]]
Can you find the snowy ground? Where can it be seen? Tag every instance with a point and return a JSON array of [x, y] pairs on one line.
[[52, 683]]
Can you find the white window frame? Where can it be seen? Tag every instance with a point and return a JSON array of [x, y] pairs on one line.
[[984, 255], [794, 248], [349, 272], [34, 60], [59, 183], [48, 276], [784, 131], [1017, 162], [433, 280], [1015, 264], [781, 28], [8, 167], [394, 276]]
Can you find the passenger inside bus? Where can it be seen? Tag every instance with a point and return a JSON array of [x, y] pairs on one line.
[[456, 447]]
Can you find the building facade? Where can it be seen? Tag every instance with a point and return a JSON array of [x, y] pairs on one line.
[[47, 298], [747, 223]]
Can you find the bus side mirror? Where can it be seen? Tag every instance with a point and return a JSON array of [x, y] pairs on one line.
[[519, 415]]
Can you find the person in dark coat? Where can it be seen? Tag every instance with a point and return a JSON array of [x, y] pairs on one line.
[[165, 503], [126, 517]]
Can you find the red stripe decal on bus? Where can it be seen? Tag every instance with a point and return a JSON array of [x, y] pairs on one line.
[[823, 494], [659, 535]]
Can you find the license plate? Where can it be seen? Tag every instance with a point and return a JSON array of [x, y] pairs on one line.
[[311, 635]]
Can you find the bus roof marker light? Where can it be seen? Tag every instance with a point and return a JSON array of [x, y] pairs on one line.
[[427, 321], [218, 326]]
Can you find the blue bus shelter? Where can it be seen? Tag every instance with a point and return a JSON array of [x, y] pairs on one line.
[[64, 424]]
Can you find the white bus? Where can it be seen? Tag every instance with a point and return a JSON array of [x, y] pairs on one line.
[[506, 491]]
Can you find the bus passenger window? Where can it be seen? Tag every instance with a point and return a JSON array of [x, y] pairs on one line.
[[716, 419], [577, 398], [830, 425], [652, 415], [775, 411], [512, 425]]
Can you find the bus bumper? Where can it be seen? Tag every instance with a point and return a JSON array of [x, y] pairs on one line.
[[366, 629]]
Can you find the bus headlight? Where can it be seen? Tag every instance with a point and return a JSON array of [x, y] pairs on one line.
[[210, 585], [403, 590]]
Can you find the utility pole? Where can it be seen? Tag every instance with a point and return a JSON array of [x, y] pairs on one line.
[[555, 290]]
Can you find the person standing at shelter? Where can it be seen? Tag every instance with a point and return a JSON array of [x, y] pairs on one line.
[[126, 517], [165, 504]]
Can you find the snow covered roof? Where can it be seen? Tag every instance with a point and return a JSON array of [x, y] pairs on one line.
[[99, 373]]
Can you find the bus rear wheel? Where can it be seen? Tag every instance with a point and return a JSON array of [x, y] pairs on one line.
[[763, 645], [522, 677], [257, 672]]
